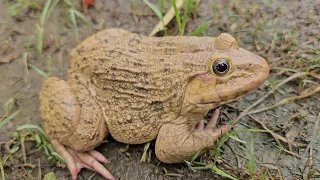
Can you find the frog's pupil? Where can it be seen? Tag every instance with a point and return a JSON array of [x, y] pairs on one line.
[[221, 67]]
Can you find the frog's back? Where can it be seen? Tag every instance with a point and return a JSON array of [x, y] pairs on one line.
[[140, 81]]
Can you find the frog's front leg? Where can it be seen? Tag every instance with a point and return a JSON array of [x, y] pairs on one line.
[[74, 122], [179, 141]]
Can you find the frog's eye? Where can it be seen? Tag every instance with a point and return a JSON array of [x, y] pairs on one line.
[[221, 67]]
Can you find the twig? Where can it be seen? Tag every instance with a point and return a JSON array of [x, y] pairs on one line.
[[39, 169], [277, 136], [280, 176], [313, 137], [235, 154], [23, 149], [92, 176], [286, 100], [270, 176], [245, 112]]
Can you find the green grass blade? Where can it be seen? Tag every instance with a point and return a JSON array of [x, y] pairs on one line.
[[251, 159], [185, 17], [264, 175], [237, 139], [8, 105], [145, 150], [220, 172], [50, 147], [39, 71], [194, 157], [14, 149], [38, 139], [155, 9], [32, 126], [53, 5], [58, 157], [40, 39], [25, 63], [285, 69], [74, 23], [69, 3], [45, 149], [83, 18], [224, 138], [160, 5], [200, 29], [49, 67], [44, 12], [10, 117], [2, 169], [176, 12]]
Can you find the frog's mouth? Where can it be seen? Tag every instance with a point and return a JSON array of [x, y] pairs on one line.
[[237, 94], [216, 104]]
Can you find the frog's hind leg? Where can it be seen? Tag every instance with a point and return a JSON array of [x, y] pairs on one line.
[[74, 122]]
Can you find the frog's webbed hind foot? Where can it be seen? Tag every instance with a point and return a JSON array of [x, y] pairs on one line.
[[77, 160]]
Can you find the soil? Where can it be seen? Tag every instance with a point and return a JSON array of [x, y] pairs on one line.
[[286, 33]]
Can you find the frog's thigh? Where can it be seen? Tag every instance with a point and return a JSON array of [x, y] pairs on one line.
[[178, 142], [71, 116]]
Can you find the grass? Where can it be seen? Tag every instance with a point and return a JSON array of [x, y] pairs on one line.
[[181, 20], [27, 132], [145, 151], [4, 159], [5, 119], [46, 11], [8, 107], [34, 133], [14, 9], [251, 161], [73, 14], [215, 155], [39, 71]]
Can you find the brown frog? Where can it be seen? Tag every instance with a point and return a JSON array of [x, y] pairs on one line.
[[143, 88]]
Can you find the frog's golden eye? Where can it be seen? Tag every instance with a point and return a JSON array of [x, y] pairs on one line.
[[221, 67]]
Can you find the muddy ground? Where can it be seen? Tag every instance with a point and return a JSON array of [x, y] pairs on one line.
[[286, 33]]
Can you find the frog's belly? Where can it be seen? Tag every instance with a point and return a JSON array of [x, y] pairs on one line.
[[132, 130], [134, 125]]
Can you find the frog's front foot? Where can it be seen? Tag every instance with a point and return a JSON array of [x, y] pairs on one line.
[[77, 160], [177, 142], [210, 128]]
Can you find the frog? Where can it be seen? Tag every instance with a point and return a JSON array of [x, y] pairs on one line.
[[139, 89]]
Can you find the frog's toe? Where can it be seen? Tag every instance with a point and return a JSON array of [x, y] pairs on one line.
[[217, 133], [211, 126], [98, 156], [214, 119], [92, 160], [77, 160], [69, 159]]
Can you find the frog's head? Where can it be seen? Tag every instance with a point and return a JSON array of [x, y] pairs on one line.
[[231, 72]]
